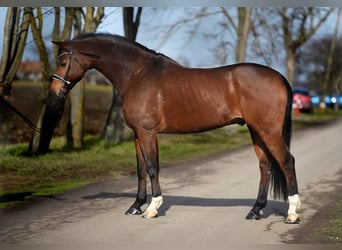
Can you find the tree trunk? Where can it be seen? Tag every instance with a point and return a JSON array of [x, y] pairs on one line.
[[295, 36], [326, 80], [76, 96], [75, 106], [115, 127], [39, 41], [14, 44], [36, 140], [56, 30], [244, 15], [291, 66], [14, 40]]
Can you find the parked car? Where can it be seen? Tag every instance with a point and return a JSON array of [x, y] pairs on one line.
[[302, 100], [315, 99], [329, 100], [332, 100]]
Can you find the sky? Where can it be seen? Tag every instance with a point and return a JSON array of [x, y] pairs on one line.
[[194, 52], [174, 47]]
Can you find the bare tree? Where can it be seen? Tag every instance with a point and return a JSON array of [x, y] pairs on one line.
[[73, 21], [14, 40], [298, 25], [227, 35], [92, 18], [36, 24], [242, 28], [15, 33], [330, 59]]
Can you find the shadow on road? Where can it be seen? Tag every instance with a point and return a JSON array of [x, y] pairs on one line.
[[278, 208]]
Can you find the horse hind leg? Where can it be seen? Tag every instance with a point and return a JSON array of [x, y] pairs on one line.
[[289, 186], [265, 172]]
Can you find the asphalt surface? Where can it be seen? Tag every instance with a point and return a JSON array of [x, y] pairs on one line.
[[205, 203]]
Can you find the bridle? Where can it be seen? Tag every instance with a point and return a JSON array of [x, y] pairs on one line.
[[65, 88], [67, 84]]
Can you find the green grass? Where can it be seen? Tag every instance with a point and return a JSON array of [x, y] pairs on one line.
[[64, 168], [333, 230], [318, 118]]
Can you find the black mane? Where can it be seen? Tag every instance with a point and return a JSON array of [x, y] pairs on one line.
[[118, 38]]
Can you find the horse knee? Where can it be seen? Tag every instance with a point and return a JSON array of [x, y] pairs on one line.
[[152, 171]]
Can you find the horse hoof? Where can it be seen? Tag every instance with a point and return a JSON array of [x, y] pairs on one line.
[[292, 219], [133, 211], [150, 213], [253, 216]]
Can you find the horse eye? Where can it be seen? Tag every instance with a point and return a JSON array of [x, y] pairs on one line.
[[63, 64]]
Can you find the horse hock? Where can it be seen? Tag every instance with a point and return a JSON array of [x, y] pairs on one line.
[[152, 209]]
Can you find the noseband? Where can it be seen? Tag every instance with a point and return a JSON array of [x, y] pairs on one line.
[[66, 87]]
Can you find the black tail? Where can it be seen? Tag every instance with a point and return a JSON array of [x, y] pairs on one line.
[[278, 180]]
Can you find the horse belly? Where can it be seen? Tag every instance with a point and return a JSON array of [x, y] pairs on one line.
[[195, 118]]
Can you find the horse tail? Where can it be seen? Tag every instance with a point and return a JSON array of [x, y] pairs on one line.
[[287, 128], [278, 180]]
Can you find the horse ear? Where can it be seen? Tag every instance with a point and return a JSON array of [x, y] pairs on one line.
[[61, 46], [58, 43]]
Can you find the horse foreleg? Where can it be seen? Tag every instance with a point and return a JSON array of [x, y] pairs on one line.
[[152, 209], [147, 148], [152, 166], [135, 209]]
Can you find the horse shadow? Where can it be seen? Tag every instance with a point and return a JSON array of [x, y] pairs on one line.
[[274, 207]]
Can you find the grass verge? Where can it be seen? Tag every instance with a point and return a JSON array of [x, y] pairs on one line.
[[333, 228], [24, 176]]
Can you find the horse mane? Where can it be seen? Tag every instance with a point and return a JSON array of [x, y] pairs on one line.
[[120, 39]]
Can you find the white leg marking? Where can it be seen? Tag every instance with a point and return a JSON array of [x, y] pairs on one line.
[[152, 209], [294, 204]]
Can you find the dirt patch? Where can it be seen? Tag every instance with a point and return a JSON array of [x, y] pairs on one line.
[[325, 226]]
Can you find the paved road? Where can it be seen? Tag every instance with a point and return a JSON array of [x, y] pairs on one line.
[[205, 203]]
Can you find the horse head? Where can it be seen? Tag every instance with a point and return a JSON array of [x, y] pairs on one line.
[[70, 69]]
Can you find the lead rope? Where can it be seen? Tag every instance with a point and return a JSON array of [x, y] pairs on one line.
[[23, 117]]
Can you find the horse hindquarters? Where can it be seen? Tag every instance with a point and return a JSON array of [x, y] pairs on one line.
[[271, 132]]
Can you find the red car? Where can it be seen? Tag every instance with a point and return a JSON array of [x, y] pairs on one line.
[[302, 100]]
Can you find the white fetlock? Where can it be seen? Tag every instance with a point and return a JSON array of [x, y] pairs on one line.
[[292, 219], [294, 204], [152, 209]]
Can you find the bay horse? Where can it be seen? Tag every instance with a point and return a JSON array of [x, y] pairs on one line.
[[161, 96]]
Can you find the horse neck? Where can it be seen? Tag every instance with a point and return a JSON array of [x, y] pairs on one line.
[[121, 67]]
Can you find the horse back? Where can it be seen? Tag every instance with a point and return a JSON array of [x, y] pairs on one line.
[[176, 99]]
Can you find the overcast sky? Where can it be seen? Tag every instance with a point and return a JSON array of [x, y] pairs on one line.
[[194, 52]]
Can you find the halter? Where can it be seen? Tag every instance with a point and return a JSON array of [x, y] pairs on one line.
[[66, 87]]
